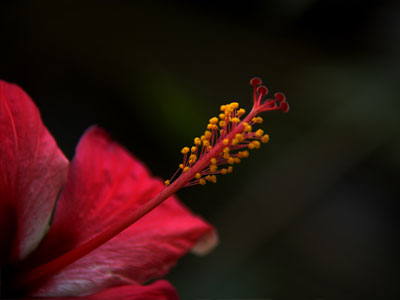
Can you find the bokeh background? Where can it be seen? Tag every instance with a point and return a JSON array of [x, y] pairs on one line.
[[314, 213]]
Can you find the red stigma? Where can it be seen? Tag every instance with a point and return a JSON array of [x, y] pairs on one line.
[[259, 91], [262, 90], [284, 107], [280, 96], [255, 81]]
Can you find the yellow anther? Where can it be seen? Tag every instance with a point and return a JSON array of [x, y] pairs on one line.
[[197, 141], [223, 107], [257, 120], [202, 138], [240, 112], [208, 177], [181, 166], [207, 134], [214, 126], [225, 142], [185, 169], [202, 181], [247, 127], [226, 150], [185, 150], [235, 120], [235, 105], [167, 182], [213, 160], [239, 137], [231, 161], [259, 133], [237, 160], [193, 149], [265, 138], [209, 126], [243, 154], [198, 175], [213, 179], [208, 148], [226, 155], [221, 116], [234, 142], [192, 158], [254, 145], [213, 120], [223, 171], [206, 143], [229, 170], [222, 123], [213, 168]]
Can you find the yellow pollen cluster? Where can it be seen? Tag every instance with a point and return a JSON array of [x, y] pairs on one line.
[[265, 139], [185, 150], [247, 127], [192, 158], [257, 120], [228, 133]]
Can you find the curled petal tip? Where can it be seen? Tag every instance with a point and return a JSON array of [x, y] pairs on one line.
[[206, 243]]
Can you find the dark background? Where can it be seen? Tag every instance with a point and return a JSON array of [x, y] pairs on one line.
[[314, 213]]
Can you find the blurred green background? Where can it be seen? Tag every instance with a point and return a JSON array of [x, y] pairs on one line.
[[314, 213]]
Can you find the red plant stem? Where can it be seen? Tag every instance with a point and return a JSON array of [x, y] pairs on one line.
[[29, 277]]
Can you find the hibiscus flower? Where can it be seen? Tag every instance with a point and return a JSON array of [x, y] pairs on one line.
[[50, 208], [101, 227]]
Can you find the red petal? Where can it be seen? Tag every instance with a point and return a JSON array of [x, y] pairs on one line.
[[32, 172], [159, 290], [106, 183]]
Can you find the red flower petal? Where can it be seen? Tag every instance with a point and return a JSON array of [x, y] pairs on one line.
[[105, 183], [159, 290], [32, 172]]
